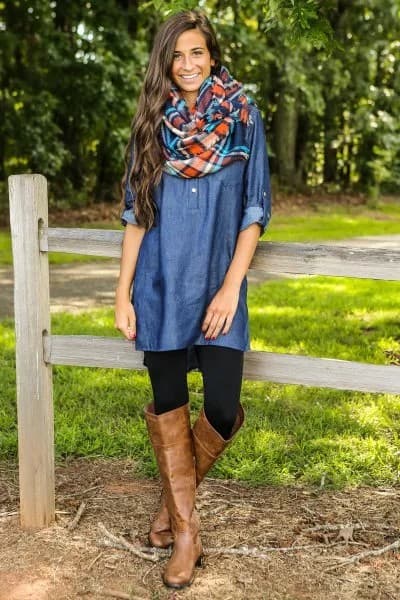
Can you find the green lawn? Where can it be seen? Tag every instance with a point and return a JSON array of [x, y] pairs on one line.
[[335, 222], [325, 222], [292, 433]]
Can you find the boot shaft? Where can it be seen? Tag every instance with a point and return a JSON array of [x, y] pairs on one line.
[[170, 436]]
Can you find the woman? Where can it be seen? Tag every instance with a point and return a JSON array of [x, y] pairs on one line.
[[197, 199]]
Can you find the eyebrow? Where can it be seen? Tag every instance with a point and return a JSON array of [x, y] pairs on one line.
[[191, 49]]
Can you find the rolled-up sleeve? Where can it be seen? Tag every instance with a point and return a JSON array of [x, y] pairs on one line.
[[128, 213], [257, 190]]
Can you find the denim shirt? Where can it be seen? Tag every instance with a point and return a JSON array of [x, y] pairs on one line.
[[183, 259]]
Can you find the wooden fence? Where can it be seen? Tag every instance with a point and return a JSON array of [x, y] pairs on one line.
[[37, 350]]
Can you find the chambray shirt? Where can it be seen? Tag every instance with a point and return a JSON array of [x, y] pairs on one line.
[[183, 259]]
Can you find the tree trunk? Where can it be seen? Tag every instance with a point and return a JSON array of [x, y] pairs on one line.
[[330, 133], [285, 130], [302, 157], [131, 7]]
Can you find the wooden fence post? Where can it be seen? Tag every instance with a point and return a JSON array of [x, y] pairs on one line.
[[28, 212]]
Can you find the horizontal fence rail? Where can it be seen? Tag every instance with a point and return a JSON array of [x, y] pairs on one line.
[[96, 351], [270, 257]]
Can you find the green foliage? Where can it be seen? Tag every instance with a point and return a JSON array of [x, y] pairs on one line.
[[324, 74], [303, 19], [70, 79], [165, 9]]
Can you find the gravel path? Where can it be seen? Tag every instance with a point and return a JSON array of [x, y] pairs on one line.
[[79, 286]]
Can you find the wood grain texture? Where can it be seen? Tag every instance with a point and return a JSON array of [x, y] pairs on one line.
[[96, 351], [28, 207], [270, 257]]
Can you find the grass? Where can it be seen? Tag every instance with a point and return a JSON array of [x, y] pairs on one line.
[[293, 434], [335, 222], [324, 222]]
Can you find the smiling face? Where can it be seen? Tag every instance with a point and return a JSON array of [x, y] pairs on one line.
[[191, 64]]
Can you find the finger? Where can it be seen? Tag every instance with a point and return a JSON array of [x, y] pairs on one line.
[[127, 327], [207, 320], [211, 325], [228, 323], [215, 327], [131, 328], [218, 327], [126, 331], [130, 333]]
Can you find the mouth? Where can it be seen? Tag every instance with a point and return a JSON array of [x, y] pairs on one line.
[[189, 77]]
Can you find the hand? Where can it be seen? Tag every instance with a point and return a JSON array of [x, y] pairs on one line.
[[125, 317], [220, 312]]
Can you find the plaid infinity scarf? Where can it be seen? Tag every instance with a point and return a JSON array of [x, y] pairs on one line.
[[200, 142]]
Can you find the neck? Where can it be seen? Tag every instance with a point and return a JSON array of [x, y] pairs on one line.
[[190, 98]]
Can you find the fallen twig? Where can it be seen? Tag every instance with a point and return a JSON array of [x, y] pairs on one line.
[[94, 561], [140, 552], [357, 557], [160, 552], [147, 572], [117, 594], [74, 523], [329, 528], [226, 488], [11, 513], [82, 492], [255, 552], [261, 552]]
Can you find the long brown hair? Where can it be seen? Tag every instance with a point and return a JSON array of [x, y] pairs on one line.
[[146, 171]]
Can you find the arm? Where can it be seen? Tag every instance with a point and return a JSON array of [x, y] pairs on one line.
[[125, 318], [222, 309], [256, 214]]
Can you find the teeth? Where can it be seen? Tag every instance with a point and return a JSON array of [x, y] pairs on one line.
[[189, 76]]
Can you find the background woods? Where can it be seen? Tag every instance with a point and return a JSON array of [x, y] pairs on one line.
[[325, 75]]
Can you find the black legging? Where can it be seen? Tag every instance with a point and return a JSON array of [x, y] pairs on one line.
[[222, 370]]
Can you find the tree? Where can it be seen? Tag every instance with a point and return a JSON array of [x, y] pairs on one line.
[[325, 75]]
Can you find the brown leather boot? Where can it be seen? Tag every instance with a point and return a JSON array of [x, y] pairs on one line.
[[170, 435], [209, 444], [208, 447]]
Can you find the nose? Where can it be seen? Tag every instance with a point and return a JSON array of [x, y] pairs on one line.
[[187, 62]]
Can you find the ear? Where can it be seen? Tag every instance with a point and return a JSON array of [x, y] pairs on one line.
[[212, 62]]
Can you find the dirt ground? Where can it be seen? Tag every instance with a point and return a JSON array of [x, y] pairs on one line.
[[259, 543]]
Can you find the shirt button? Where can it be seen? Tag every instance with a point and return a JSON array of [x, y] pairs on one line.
[[194, 190]]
